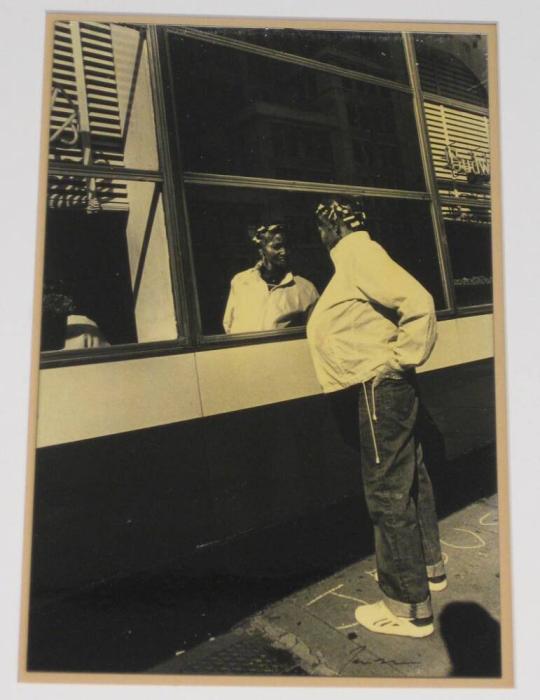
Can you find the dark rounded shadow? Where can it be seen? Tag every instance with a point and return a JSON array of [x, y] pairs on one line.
[[473, 640]]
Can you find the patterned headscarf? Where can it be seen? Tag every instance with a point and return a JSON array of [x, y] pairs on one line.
[[263, 232], [335, 213]]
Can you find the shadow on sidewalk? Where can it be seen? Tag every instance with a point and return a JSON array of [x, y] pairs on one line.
[[473, 640]]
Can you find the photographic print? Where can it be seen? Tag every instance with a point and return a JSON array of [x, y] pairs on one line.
[[269, 412]]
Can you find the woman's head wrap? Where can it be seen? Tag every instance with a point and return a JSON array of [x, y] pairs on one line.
[[336, 213], [262, 233]]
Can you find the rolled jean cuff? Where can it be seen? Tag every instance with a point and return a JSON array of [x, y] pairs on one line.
[[434, 570], [412, 611]]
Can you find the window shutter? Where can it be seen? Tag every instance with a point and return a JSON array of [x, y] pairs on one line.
[[85, 126]]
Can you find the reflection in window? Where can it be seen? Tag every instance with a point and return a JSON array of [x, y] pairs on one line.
[[376, 54], [244, 114], [459, 141], [468, 232], [453, 65], [269, 296], [222, 219], [107, 278], [101, 106]]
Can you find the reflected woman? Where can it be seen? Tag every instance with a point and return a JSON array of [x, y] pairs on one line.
[[269, 295]]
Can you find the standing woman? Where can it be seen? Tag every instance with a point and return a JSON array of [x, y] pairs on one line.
[[374, 324]]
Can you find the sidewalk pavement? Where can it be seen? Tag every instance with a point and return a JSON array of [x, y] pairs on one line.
[[314, 632]]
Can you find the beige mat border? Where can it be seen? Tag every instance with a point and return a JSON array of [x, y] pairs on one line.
[[507, 678]]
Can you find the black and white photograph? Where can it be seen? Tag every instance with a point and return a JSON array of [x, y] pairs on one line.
[[269, 437]]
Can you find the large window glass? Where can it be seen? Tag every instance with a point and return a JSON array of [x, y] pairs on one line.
[[222, 222], [239, 113], [375, 53], [468, 231], [453, 66], [453, 73], [267, 122], [107, 277]]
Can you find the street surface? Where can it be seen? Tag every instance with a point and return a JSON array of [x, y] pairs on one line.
[[314, 632]]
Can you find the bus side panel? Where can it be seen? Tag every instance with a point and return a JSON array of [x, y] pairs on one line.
[[274, 463], [127, 503], [113, 505]]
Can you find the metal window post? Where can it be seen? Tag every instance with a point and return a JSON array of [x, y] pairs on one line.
[[441, 242], [186, 304]]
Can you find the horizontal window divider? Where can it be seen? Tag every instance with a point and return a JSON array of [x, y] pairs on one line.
[[479, 310], [119, 353], [456, 201], [445, 314], [224, 340], [289, 58], [458, 104], [115, 173], [212, 179], [113, 353]]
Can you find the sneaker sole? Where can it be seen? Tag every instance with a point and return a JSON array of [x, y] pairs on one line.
[[410, 630], [437, 586]]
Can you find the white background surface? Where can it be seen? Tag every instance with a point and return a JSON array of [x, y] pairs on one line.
[[21, 50]]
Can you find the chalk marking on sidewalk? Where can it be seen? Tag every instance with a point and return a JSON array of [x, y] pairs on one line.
[[466, 546], [482, 520], [349, 597], [444, 557], [323, 595], [347, 627]]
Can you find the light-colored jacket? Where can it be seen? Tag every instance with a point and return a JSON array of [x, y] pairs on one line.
[[254, 306], [372, 317]]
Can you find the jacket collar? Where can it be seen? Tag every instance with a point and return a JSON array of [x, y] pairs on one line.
[[286, 281]]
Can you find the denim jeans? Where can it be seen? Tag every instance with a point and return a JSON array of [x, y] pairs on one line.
[[399, 495]]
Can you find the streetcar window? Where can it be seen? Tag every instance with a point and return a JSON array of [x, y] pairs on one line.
[[107, 271], [107, 279], [468, 232], [222, 218], [266, 122], [244, 114]]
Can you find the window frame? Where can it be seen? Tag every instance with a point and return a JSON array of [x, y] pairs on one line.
[[56, 358], [174, 178]]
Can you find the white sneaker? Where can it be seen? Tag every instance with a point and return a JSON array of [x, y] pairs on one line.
[[378, 618], [435, 583]]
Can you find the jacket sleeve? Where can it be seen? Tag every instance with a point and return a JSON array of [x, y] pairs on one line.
[[386, 283]]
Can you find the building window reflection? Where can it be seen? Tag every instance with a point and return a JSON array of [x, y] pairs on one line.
[[107, 278], [256, 116], [266, 122]]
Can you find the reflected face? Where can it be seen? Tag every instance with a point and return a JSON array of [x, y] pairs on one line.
[[274, 252]]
